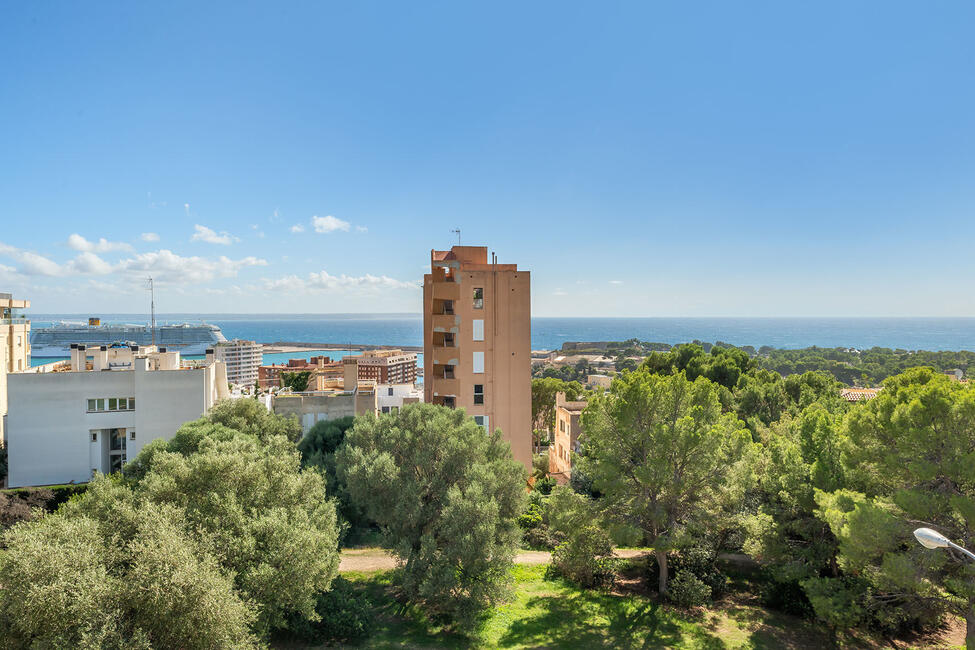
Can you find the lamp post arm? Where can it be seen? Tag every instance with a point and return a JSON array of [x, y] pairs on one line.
[[962, 549]]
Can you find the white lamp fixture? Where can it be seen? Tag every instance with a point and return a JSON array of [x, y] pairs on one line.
[[933, 539]]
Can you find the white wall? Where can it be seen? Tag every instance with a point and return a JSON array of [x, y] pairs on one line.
[[48, 426]]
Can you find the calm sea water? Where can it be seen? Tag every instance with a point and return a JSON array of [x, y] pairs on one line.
[[549, 333]]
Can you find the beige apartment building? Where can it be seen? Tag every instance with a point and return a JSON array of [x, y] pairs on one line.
[[568, 429], [477, 341], [14, 347]]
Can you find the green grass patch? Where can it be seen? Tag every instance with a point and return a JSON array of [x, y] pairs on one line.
[[552, 613]]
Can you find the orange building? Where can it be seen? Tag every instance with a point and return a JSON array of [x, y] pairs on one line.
[[568, 428], [382, 366], [477, 341]]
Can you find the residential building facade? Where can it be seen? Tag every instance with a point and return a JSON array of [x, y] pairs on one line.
[[565, 439], [14, 346], [69, 420], [242, 359], [381, 366], [312, 407], [325, 373], [477, 341], [391, 397]]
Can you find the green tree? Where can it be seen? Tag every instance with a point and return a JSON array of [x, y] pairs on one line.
[[911, 457], [448, 499], [251, 506], [296, 381], [318, 449], [663, 456], [122, 573], [543, 399], [251, 417]]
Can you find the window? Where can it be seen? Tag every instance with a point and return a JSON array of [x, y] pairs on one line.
[[478, 297], [100, 405], [478, 393], [132, 434], [478, 363], [91, 405], [112, 404], [482, 420], [562, 426], [390, 391], [97, 404], [131, 403], [478, 326], [385, 409], [448, 306], [94, 436]]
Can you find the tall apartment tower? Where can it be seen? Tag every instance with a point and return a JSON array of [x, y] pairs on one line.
[[477, 341], [14, 347]]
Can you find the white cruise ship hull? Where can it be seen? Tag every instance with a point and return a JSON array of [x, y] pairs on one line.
[[56, 351]]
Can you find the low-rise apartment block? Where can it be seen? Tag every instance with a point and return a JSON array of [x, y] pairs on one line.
[[325, 373], [242, 359], [68, 420], [381, 366], [568, 429]]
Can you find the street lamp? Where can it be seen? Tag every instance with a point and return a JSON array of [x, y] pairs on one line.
[[933, 539]]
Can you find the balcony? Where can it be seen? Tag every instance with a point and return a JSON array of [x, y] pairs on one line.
[[444, 322], [442, 386], [446, 290], [445, 400]]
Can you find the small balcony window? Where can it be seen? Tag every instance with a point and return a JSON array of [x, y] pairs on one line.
[[478, 297], [478, 393]]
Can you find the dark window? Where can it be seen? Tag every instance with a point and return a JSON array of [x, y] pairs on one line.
[[478, 393], [478, 297]]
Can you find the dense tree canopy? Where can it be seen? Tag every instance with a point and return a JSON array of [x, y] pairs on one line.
[[447, 497], [663, 455]]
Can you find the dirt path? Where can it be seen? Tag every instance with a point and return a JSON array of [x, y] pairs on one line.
[[366, 560]]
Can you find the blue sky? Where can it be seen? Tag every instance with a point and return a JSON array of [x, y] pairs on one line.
[[641, 159]]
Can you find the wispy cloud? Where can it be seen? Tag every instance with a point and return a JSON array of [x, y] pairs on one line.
[[361, 229], [210, 236], [79, 243], [168, 267], [560, 292], [616, 282], [297, 228], [150, 236], [329, 224], [323, 281]]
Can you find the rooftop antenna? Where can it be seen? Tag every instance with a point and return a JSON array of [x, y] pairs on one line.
[[457, 232], [152, 308]]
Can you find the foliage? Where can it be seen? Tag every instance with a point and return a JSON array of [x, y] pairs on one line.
[[910, 460], [447, 497], [343, 614], [124, 575], [701, 561], [687, 590], [318, 449], [663, 456], [250, 417], [545, 485], [296, 381], [586, 557], [543, 399]]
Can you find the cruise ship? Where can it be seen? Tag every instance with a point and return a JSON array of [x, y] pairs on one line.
[[55, 341]]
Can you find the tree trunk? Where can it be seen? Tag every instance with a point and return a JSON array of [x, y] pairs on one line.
[[662, 579], [970, 628]]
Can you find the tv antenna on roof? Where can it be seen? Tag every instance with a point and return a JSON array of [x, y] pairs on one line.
[[457, 232], [152, 308]]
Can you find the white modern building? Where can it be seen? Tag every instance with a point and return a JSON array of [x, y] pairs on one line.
[[390, 397], [242, 358], [67, 421]]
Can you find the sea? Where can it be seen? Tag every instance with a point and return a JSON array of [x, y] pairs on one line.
[[549, 333]]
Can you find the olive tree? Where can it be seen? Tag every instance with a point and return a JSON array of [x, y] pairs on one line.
[[447, 496]]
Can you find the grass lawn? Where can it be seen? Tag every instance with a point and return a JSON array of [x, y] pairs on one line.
[[543, 613]]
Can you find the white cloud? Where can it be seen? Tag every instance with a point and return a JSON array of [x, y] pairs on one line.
[[88, 263], [209, 236], [166, 266], [616, 282], [297, 228], [323, 281], [79, 243], [361, 229], [150, 236], [329, 224], [31, 263]]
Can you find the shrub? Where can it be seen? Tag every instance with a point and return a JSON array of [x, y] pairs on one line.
[[530, 518], [586, 557], [701, 562], [344, 616], [545, 485], [687, 590]]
